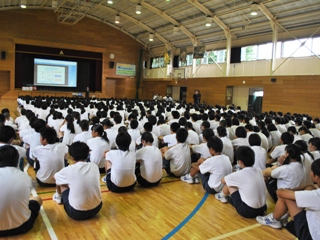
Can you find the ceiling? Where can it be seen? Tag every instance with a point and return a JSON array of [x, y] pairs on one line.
[[230, 18]]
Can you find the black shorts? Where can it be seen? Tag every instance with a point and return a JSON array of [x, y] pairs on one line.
[[299, 227], [77, 214], [42, 184], [34, 207], [243, 209], [114, 188], [204, 180]]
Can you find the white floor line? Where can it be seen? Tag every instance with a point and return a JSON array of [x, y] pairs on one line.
[[236, 232], [43, 214]]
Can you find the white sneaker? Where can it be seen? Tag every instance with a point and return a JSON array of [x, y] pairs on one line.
[[187, 178], [57, 198], [104, 179], [196, 180], [269, 221], [221, 198]]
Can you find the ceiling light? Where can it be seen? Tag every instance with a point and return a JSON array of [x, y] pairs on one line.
[[23, 3], [138, 9], [117, 19], [151, 37], [208, 21], [254, 8], [110, 2], [175, 29]]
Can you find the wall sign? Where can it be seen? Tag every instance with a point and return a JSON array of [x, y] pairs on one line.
[[125, 69]]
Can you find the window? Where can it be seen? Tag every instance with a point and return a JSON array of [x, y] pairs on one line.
[[188, 62], [316, 46], [297, 48], [158, 62]]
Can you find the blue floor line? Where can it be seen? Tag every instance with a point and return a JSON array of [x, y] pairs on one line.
[[177, 228]]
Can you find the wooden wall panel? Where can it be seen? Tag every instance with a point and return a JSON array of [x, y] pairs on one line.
[[4, 82], [295, 94], [40, 28]]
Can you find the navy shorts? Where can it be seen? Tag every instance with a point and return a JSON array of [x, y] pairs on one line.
[[204, 180], [114, 188], [243, 209], [299, 227], [34, 207], [77, 214]]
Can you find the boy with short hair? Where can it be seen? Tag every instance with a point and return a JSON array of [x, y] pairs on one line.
[[18, 212], [177, 160], [50, 157], [78, 185], [246, 187], [120, 166], [212, 169], [303, 206]]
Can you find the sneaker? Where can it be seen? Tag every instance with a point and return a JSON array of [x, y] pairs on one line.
[[57, 198], [104, 179], [197, 180], [221, 198], [187, 178], [269, 221], [284, 219]]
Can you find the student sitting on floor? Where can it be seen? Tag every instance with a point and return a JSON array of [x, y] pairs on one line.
[[177, 160], [78, 185], [246, 187], [49, 157], [212, 169], [18, 212], [149, 162], [303, 206], [120, 166], [260, 154]]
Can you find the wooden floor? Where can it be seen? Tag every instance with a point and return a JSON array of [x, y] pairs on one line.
[[174, 210]]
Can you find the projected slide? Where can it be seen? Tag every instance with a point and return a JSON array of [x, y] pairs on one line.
[[55, 73]]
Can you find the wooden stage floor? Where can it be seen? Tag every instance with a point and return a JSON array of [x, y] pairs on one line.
[[172, 210]]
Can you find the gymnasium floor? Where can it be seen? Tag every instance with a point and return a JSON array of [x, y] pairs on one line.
[[172, 210]]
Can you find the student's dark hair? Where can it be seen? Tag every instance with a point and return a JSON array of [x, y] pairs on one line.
[[38, 125], [95, 120], [147, 136], [235, 122], [222, 131], [306, 130], [246, 155], [174, 127], [9, 156], [5, 110], [207, 133], [175, 114], [292, 129], [84, 124], [99, 129], [189, 125], [152, 119], [7, 133], [70, 124], [50, 134], [134, 124], [182, 135], [249, 127], [215, 143], [182, 121], [122, 129], [304, 147], [123, 141], [294, 152], [76, 116], [272, 127], [254, 140], [315, 167], [241, 132], [79, 151], [23, 111], [148, 127], [315, 141], [107, 122], [205, 124], [117, 118], [287, 138]]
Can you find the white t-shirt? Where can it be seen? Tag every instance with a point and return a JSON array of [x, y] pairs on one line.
[[307, 161], [155, 140], [180, 159], [264, 141], [240, 142], [193, 138], [310, 200], [218, 167], [67, 135], [82, 137], [227, 148], [275, 138], [112, 135], [202, 149], [15, 188], [51, 160], [32, 140], [97, 147], [123, 167], [260, 157], [170, 139], [134, 133], [150, 164], [289, 175], [251, 185], [83, 180], [278, 151], [55, 123], [164, 129]]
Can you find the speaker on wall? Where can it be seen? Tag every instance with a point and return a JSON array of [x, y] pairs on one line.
[[235, 55], [3, 55], [175, 61], [273, 79], [111, 64]]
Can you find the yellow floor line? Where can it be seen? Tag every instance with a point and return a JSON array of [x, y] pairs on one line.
[[236, 232]]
